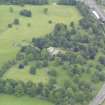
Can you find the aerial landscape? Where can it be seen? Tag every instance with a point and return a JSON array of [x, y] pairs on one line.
[[52, 52]]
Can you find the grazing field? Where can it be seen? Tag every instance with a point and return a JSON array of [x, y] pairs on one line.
[[12, 100], [12, 38]]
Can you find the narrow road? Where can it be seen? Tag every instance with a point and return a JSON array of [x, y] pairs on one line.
[[93, 6], [99, 99]]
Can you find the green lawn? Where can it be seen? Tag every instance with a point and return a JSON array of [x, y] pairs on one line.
[[24, 75], [41, 75], [10, 39], [12, 100]]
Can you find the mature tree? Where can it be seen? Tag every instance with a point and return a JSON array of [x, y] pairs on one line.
[[16, 21], [67, 2], [2, 84], [33, 70], [8, 88], [21, 66], [22, 2], [26, 13], [30, 89], [52, 73], [102, 60], [19, 89], [45, 10], [9, 25]]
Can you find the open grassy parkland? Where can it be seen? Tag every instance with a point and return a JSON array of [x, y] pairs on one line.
[[12, 38]]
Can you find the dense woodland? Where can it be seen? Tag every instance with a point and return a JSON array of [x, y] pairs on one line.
[[22, 2], [67, 2], [76, 50], [36, 2]]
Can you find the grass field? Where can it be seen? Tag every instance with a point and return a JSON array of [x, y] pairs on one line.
[[41, 75], [24, 75], [10, 39], [12, 100]]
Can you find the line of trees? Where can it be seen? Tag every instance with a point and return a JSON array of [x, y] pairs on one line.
[[22, 2], [52, 92], [67, 2], [37, 2]]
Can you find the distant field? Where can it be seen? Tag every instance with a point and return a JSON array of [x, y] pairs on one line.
[[12, 100], [11, 39]]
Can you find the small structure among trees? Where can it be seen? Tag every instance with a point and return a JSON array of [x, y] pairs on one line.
[[54, 51]]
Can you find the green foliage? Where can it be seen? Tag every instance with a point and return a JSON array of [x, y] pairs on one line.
[[20, 35], [77, 60], [16, 22], [45, 10], [26, 13], [19, 90], [21, 2], [9, 25], [32, 70], [67, 2]]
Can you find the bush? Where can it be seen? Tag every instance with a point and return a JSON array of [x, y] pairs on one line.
[[21, 66], [32, 70], [52, 73], [45, 10], [29, 25], [16, 21], [50, 21], [11, 10], [26, 13], [67, 2], [9, 25], [102, 60]]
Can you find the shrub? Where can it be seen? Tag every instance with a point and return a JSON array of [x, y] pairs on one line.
[[102, 60], [32, 70], [16, 21], [26, 13], [21, 66], [11, 10], [45, 10], [52, 73], [29, 25], [50, 21], [9, 25]]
